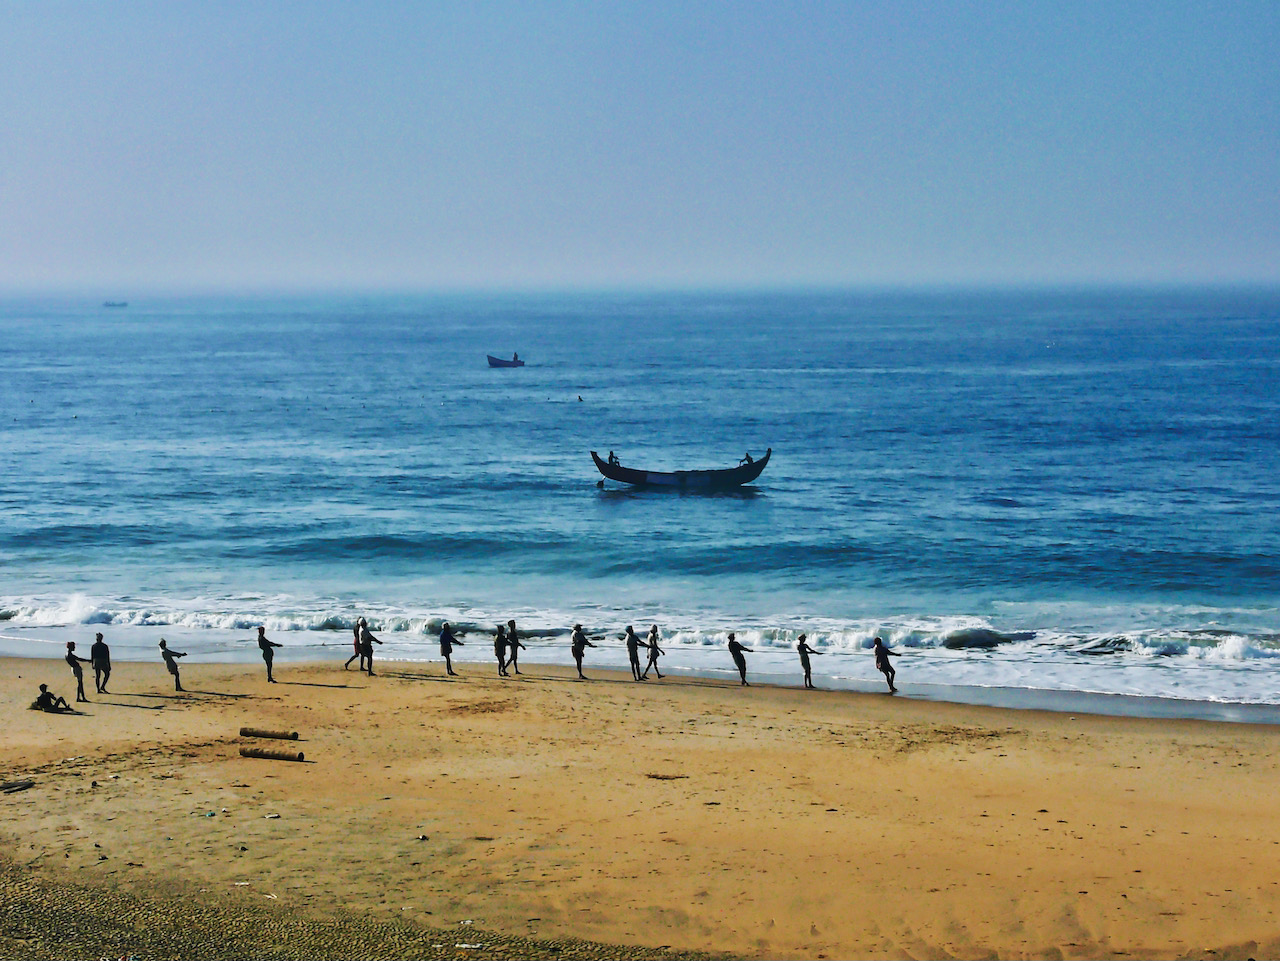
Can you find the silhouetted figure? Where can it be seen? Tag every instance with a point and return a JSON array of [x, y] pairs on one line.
[[746, 459], [802, 646], [355, 642], [515, 357], [882, 662], [447, 641], [513, 646], [613, 459], [100, 658], [736, 649], [579, 644], [655, 651], [633, 653], [75, 660], [367, 641], [46, 701], [171, 663], [268, 654], [500, 650]]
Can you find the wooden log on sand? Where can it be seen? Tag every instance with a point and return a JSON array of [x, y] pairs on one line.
[[260, 732], [271, 755]]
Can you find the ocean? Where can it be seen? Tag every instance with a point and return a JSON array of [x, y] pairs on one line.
[[1036, 496]]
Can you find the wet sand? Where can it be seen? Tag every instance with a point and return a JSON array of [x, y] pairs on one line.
[[670, 816]]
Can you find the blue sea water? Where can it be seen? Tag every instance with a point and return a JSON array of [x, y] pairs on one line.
[[1033, 490]]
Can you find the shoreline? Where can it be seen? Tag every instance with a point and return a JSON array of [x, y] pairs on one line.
[[762, 822]]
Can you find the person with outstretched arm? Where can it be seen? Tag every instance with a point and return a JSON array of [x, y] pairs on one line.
[[367, 641], [171, 663], [579, 644], [802, 646], [447, 641], [75, 660], [654, 651], [513, 646], [100, 658], [633, 653], [500, 649], [882, 662], [736, 650], [268, 654]]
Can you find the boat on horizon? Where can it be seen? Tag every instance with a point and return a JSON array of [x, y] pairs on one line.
[[115, 303], [744, 473], [515, 361]]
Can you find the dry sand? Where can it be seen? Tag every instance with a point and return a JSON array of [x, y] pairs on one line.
[[686, 815]]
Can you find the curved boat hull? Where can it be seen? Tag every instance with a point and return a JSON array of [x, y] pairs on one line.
[[499, 362], [684, 479]]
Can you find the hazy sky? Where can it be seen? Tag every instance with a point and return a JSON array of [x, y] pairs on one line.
[[418, 145]]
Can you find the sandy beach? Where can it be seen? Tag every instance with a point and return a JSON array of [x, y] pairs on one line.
[[544, 816]]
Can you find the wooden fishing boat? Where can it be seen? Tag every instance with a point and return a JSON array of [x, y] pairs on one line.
[[515, 361], [685, 479]]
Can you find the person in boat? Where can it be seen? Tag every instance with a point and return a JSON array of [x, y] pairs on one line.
[[515, 358], [579, 644], [882, 662], [171, 663], [75, 660], [735, 651], [746, 459], [447, 642], [613, 459], [268, 652], [500, 650], [49, 702], [803, 648], [100, 658], [514, 647], [633, 653], [367, 641], [355, 631], [654, 652]]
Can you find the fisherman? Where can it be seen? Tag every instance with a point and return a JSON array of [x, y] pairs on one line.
[[579, 645], [447, 641], [268, 654], [513, 645], [654, 651], [367, 641], [736, 649], [633, 653], [75, 660], [613, 459], [100, 658], [46, 701], [805, 650], [170, 662], [882, 662], [500, 650], [746, 459]]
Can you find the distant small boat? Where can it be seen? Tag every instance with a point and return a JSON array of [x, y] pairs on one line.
[[515, 361], [687, 479], [115, 303]]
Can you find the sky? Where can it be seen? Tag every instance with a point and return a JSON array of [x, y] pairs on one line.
[[474, 145]]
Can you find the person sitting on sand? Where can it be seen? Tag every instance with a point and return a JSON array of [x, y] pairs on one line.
[[802, 646], [447, 640], [367, 641], [654, 651], [882, 662], [500, 649], [633, 653], [75, 660], [355, 631], [579, 644], [513, 646], [100, 658], [268, 654], [736, 649], [46, 701], [170, 662]]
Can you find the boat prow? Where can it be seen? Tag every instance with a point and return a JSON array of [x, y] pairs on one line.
[[684, 479]]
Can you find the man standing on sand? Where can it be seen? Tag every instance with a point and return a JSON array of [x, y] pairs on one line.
[[735, 650], [355, 632], [447, 641], [100, 658], [633, 653], [268, 654], [579, 644], [367, 641], [170, 662], [802, 645], [882, 663], [500, 649], [654, 651], [75, 660], [513, 645]]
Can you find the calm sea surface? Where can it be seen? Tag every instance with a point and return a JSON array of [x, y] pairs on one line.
[[1039, 491]]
